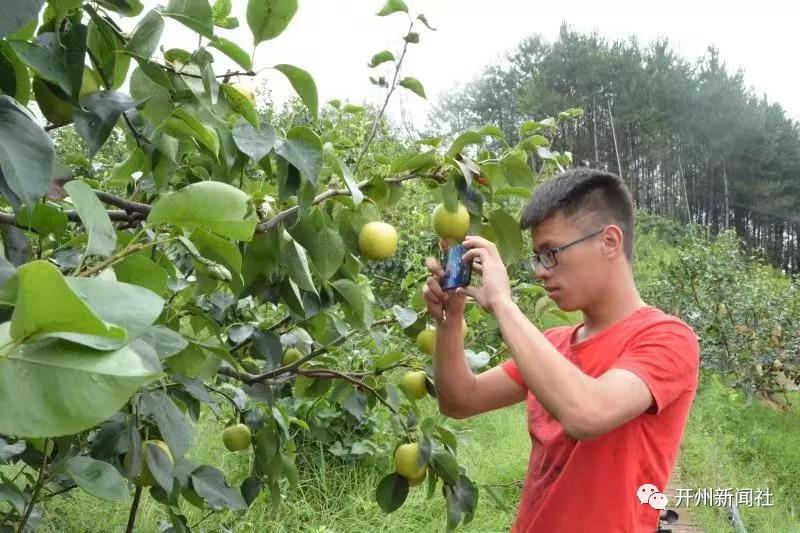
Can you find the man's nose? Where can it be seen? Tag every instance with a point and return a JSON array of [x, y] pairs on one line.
[[540, 272]]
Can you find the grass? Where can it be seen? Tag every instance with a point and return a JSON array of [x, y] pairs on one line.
[[494, 447], [730, 445]]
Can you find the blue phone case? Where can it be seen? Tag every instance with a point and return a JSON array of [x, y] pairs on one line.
[[457, 273]]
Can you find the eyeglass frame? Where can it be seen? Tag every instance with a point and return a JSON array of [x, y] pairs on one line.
[[555, 251]]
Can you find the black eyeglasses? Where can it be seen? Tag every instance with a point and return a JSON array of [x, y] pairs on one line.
[[547, 258]]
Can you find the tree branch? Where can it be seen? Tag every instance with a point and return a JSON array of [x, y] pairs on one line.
[[248, 378], [127, 205], [36, 489], [116, 258], [392, 87], [134, 507], [267, 225]]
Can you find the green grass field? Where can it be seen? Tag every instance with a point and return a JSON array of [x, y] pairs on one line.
[[334, 496], [726, 445]]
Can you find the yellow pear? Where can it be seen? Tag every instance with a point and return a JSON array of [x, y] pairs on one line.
[[377, 240], [237, 437], [451, 224], [426, 340], [414, 384], [290, 356], [146, 478], [405, 461], [246, 91], [55, 108]]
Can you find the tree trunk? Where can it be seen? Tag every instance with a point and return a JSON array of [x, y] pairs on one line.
[[725, 179]]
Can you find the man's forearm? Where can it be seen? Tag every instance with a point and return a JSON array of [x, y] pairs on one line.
[[557, 384], [453, 377]]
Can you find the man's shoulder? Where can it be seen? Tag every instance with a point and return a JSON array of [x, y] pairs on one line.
[[656, 318]]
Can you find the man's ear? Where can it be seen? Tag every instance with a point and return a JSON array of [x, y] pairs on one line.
[[613, 240]]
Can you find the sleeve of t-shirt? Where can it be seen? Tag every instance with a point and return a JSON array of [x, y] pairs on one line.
[[666, 357], [510, 366]]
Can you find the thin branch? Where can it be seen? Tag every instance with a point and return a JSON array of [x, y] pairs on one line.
[[359, 383], [136, 135], [266, 377], [37, 488], [267, 225], [116, 258], [134, 507], [62, 491], [392, 87], [127, 205]]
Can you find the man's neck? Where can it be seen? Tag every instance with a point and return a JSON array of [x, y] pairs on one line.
[[620, 300]]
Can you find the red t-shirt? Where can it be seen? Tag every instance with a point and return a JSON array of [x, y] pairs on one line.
[[591, 485]]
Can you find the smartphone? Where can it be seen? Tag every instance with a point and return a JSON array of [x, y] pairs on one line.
[[457, 273]]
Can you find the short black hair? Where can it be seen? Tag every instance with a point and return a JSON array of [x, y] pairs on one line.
[[602, 195]]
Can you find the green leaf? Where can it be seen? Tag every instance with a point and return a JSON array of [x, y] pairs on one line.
[[303, 84], [164, 341], [172, 423], [413, 85], [217, 207], [159, 105], [295, 261], [17, 13], [161, 468], [347, 176], [392, 6], [380, 58], [220, 251], [15, 79], [102, 237], [254, 143], [46, 306], [233, 51], [46, 220], [98, 478], [128, 8], [182, 125], [391, 492], [10, 493], [60, 388], [533, 142], [357, 309], [410, 162], [516, 170], [445, 466], [99, 114], [57, 58], [424, 20], [239, 103], [221, 9], [142, 308], [268, 18], [327, 253], [103, 43], [210, 484], [146, 36], [194, 361], [230, 23], [27, 155], [465, 139], [509, 236], [139, 270], [303, 149], [194, 14]]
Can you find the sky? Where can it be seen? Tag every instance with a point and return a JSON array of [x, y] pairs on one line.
[[334, 40]]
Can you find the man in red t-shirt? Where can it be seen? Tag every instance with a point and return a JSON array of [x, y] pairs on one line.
[[608, 399]]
